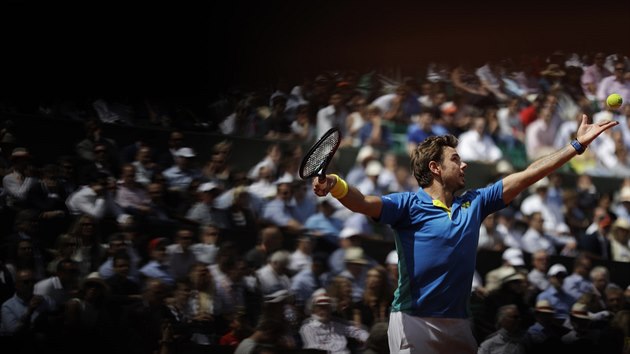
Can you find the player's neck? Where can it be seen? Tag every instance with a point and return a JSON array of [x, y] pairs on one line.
[[436, 191]]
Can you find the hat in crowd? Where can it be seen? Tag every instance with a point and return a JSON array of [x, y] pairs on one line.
[[349, 232], [544, 306], [553, 70], [624, 194], [365, 153], [156, 242], [285, 179], [207, 187], [541, 183], [563, 229], [448, 107], [185, 152], [621, 223], [20, 152], [355, 255], [374, 168], [514, 257], [578, 310], [392, 258], [510, 275], [556, 269], [321, 298], [123, 219], [277, 296], [504, 167]]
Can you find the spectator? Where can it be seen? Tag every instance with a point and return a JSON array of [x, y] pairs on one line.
[[509, 337], [321, 331], [270, 239], [374, 132], [619, 237], [512, 261], [545, 334], [168, 157], [578, 282], [206, 249], [90, 199], [131, 196], [323, 225], [555, 294], [398, 106], [593, 75], [48, 199], [274, 275], [61, 286], [356, 270], [180, 255], [24, 314], [281, 211], [301, 258], [309, 279], [144, 166], [477, 145], [158, 266], [20, 180], [267, 331], [333, 115], [204, 211], [538, 275], [180, 175]]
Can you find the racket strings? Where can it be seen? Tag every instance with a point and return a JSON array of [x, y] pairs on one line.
[[319, 157]]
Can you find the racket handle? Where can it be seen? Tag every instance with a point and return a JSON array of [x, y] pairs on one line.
[[321, 178]]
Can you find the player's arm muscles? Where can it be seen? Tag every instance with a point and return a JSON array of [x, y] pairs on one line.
[[365, 204], [519, 181]]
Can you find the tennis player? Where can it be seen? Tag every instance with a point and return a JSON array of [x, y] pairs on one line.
[[437, 234]]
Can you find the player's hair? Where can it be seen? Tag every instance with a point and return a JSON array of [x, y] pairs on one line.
[[431, 149]]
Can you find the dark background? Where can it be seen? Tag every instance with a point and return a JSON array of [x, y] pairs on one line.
[[201, 50]]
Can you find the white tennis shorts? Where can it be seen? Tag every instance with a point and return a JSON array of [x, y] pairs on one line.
[[410, 334]]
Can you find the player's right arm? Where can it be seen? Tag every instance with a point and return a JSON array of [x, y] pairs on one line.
[[354, 200]]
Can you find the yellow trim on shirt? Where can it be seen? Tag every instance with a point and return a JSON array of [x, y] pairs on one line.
[[438, 203]]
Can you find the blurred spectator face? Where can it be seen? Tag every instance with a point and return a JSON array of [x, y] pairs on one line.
[[184, 238], [25, 249], [540, 261], [511, 320], [69, 275], [336, 100], [128, 175], [100, 152], [374, 279], [536, 222], [121, 267], [285, 192], [426, 121], [144, 155], [210, 235], [615, 300], [24, 283], [200, 276], [176, 140], [620, 69], [324, 312]]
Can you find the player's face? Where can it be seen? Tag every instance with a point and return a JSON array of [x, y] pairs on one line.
[[453, 168]]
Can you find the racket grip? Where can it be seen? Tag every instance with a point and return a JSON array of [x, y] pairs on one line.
[[321, 178]]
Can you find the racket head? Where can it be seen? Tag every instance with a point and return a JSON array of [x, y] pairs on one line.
[[318, 157]]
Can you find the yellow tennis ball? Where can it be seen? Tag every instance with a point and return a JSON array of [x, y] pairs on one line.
[[614, 101]]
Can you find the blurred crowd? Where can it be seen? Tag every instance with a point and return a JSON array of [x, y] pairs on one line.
[[148, 248]]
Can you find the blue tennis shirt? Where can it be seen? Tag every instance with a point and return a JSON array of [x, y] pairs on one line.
[[437, 248]]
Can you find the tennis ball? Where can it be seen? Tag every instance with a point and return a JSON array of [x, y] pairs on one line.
[[614, 101]]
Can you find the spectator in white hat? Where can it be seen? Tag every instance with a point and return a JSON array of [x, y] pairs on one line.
[[512, 259], [356, 269], [348, 237], [369, 184], [204, 212], [557, 297], [179, 176], [622, 209]]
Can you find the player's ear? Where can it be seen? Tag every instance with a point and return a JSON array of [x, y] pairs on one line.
[[434, 167]]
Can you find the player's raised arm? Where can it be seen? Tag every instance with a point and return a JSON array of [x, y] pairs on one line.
[[517, 182], [349, 196]]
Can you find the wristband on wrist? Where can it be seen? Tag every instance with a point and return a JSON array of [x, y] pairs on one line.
[[340, 189], [578, 147]]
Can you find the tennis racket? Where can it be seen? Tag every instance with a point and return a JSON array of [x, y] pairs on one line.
[[318, 157]]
